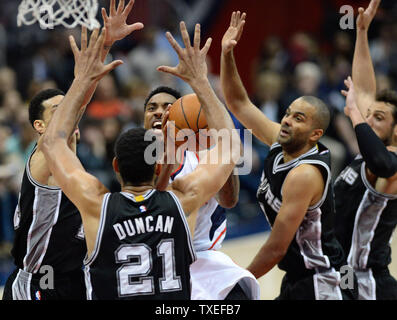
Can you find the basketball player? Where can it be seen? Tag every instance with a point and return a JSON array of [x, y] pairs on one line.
[[48, 227], [138, 242], [366, 191], [295, 192], [214, 275]]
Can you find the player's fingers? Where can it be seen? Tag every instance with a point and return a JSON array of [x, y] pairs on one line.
[[100, 45], [113, 65], [170, 70], [174, 44], [104, 16], [128, 8], [185, 35], [93, 39], [83, 38], [233, 19], [74, 47], [120, 8], [197, 37], [134, 27], [112, 7], [240, 29], [166, 115], [237, 18], [100, 41], [373, 6], [207, 46], [344, 93], [350, 81]]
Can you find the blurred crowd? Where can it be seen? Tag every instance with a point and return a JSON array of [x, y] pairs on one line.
[[32, 59]]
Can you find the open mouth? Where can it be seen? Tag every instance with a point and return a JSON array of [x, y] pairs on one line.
[[156, 125], [284, 133]]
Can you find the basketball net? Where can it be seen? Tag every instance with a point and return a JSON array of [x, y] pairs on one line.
[[52, 13]]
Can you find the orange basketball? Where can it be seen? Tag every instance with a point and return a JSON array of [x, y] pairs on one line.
[[188, 117]]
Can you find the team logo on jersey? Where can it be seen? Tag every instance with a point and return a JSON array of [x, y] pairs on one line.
[[143, 208], [270, 198], [37, 295], [348, 175]]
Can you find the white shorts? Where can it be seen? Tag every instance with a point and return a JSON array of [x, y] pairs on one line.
[[214, 275]]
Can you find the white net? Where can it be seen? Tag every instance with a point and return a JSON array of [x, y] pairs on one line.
[[52, 13]]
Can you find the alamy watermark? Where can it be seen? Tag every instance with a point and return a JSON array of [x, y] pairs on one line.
[[46, 20], [47, 280], [163, 149], [347, 278], [347, 21]]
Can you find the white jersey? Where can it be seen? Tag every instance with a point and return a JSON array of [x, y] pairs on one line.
[[210, 227], [213, 274]]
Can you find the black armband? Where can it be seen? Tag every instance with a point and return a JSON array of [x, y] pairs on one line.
[[380, 161]]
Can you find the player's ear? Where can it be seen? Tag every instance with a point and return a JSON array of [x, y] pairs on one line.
[[115, 165], [316, 135], [39, 126]]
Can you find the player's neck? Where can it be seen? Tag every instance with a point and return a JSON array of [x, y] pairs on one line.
[[137, 190], [291, 155]]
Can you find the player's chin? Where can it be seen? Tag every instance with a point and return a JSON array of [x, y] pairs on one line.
[[284, 140]]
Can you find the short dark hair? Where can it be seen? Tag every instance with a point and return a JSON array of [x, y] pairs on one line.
[[389, 97], [322, 118], [36, 107], [130, 154], [175, 93]]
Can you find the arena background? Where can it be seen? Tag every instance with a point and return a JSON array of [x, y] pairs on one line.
[[289, 48]]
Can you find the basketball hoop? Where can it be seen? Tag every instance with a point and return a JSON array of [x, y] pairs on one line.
[[52, 13]]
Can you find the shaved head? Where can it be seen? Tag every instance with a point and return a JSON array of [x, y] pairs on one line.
[[322, 117]]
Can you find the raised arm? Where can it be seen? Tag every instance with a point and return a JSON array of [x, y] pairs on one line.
[[236, 96], [379, 160], [363, 70], [116, 29], [83, 189], [192, 68]]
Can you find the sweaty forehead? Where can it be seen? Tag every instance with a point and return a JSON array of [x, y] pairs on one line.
[[161, 98], [49, 103]]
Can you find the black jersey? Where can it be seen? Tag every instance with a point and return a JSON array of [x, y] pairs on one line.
[[365, 218], [48, 229], [143, 249], [314, 247]]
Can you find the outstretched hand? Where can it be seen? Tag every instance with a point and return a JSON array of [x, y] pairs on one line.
[[88, 63], [351, 105], [365, 17], [192, 65], [116, 22], [234, 32]]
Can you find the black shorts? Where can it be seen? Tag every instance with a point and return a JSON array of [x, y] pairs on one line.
[[21, 285], [306, 289]]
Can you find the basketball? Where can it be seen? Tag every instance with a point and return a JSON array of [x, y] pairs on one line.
[[187, 115]]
